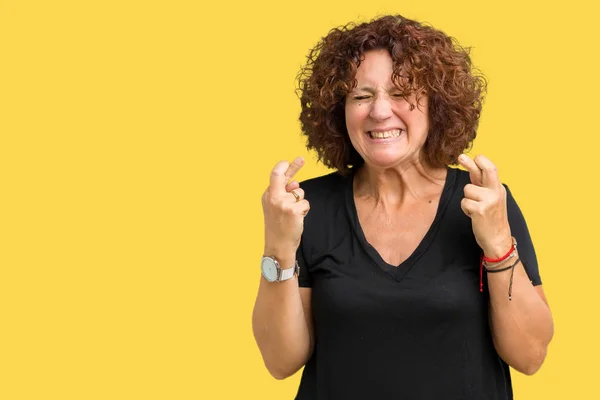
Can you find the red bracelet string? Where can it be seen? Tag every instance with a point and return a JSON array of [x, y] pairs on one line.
[[504, 257], [492, 260], [481, 274]]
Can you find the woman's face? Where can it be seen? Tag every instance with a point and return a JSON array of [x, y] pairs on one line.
[[382, 127]]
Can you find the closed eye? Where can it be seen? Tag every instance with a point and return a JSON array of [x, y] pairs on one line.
[[361, 97]]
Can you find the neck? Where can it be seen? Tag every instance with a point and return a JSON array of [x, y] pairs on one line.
[[409, 183]]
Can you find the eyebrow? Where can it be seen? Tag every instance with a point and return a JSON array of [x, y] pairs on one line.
[[365, 89], [372, 89]]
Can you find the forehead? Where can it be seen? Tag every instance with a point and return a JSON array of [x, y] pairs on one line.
[[375, 69]]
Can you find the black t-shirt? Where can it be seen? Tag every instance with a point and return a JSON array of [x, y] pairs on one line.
[[419, 330]]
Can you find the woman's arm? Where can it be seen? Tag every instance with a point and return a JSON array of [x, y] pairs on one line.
[[282, 319], [522, 325], [282, 326]]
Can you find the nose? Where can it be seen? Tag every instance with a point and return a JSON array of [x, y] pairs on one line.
[[381, 108]]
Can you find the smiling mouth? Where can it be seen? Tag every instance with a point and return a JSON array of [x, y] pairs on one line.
[[392, 133]]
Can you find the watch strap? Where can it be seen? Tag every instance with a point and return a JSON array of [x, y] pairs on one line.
[[289, 273]]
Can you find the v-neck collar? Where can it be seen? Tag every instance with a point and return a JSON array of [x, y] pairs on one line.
[[398, 272]]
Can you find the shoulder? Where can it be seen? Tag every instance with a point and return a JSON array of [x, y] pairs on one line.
[[325, 187], [463, 178], [327, 196]]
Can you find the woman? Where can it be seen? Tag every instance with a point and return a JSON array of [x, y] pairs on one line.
[[416, 280]]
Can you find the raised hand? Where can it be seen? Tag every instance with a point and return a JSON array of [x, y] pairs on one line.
[[284, 209], [485, 204]]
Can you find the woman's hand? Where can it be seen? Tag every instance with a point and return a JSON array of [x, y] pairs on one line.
[[485, 204], [284, 209]]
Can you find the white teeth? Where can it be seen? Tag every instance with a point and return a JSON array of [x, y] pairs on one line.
[[385, 135]]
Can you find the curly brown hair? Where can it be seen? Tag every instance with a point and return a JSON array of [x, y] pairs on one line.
[[426, 61]]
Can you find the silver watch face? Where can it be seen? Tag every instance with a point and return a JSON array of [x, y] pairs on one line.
[[269, 269]]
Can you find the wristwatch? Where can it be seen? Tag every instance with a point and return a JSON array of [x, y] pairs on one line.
[[273, 272]]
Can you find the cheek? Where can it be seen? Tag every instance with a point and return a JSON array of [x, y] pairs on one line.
[[355, 115], [418, 122]]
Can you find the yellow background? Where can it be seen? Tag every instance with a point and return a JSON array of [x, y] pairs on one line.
[[137, 138]]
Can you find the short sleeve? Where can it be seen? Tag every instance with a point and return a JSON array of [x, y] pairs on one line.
[[304, 277], [519, 230]]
